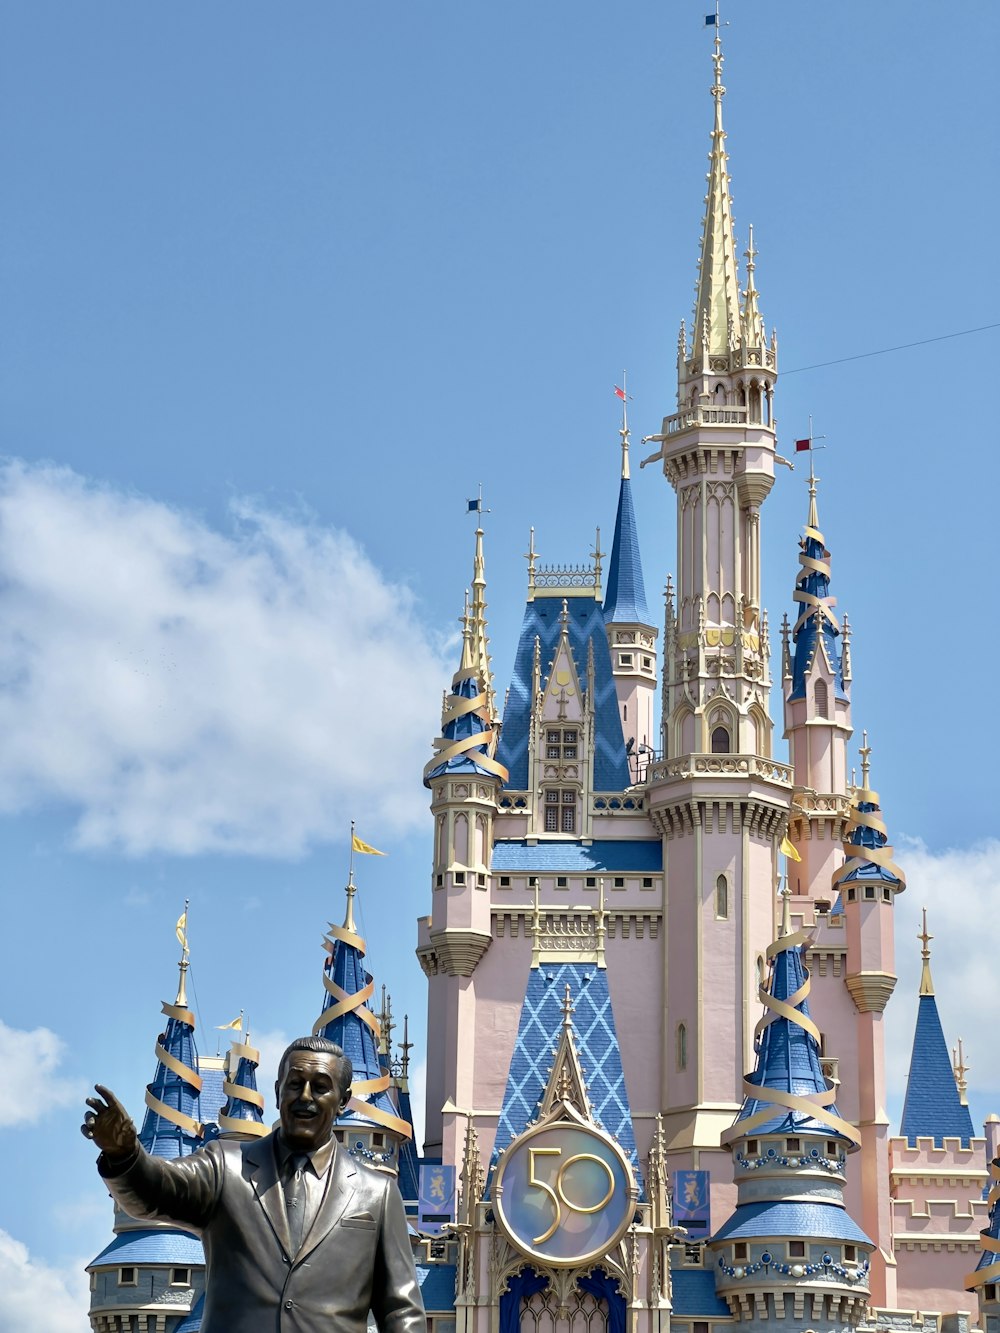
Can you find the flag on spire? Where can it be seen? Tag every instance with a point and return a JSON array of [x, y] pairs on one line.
[[366, 850]]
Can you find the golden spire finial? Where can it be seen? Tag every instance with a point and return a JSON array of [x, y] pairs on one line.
[[865, 751], [350, 888], [624, 430], [961, 1069], [786, 911], [181, 931], [567, 1007], [926, 984]]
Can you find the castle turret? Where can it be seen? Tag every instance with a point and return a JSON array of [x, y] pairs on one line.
[[464, 778], [718, 798], [155, 1270], [243, 1114], [631, 635], [790, 1250], [816, 680], [985, 1281], [371, 1128]]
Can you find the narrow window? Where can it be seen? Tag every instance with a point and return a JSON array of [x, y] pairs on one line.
[[126, 1277], [740, 1250], [682, 1046], [624, 712], [722, 898], [180, 1277], [569, 812], [796, 1249], [561, 881], [793, 1145], [822, 697], [720, 740], [459, 876], [505, 881], [851, 1253], [552, 812]]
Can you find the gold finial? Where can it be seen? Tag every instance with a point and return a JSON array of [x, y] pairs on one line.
[[181, 931], [786, 910], [405, 1046], [567, 1007], [624, 430], [598, 556], [865, 752], [926, 984], [350, 888], [961, 1069]]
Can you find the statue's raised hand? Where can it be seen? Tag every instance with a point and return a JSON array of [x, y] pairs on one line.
[[109, 1125]]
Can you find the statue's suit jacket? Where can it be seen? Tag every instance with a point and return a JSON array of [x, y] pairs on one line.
[[356, 1255]]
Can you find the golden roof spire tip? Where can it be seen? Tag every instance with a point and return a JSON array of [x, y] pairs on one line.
[[350, 889], [865, 751], [926, 984], [181, 931]]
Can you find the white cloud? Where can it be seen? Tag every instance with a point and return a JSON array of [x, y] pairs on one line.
[[185, 690], [29, 1061], [37, 1298], [959, 887]]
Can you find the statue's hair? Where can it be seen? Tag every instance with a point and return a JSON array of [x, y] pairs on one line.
[[321, 1046]]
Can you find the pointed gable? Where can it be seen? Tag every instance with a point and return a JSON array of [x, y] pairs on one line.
[[597, 1048], [585, 627]]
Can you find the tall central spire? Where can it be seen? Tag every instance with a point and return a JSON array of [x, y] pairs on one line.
[[717, 304]]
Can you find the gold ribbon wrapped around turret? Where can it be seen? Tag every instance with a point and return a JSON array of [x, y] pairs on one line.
[[457, 707], [344, 1003], [880, 856], [233, 1124], [184, 1072], [990, 1272], [815, 1104], [810, 602]]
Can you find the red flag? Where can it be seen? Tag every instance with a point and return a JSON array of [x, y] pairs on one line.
[[802, 444], [620, 393]]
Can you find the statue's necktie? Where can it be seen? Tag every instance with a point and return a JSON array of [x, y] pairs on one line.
[[295, 1198]]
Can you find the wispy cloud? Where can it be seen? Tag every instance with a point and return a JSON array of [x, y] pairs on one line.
[[30, 1063], [186, 690], [38, 1298], [959, 887]]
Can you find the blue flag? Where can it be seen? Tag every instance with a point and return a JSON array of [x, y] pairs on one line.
[[475, 507], [711, 20]]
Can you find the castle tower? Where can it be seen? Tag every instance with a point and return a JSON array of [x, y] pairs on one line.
[[718, 799], [156, 1270], [791, 1251], [631, 635], [816, 674], [242, 1117], [868, 883], [938, 1166], [371, 1128], [985, 1281], [464, 778]]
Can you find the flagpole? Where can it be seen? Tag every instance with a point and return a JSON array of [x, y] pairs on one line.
[[350, 864]]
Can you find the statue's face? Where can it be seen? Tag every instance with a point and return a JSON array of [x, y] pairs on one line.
[[310, 1095]]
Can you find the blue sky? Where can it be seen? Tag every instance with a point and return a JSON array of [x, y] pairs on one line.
[[279, 288]]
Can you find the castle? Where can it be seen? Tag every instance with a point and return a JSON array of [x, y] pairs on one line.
[[656, 1084]]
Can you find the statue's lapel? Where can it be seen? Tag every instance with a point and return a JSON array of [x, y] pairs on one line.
[[339, 1191], [266, 1183]]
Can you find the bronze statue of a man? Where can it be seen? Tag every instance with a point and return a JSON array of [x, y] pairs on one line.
[[298, 1236]]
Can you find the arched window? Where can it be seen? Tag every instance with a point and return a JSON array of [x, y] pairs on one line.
[[822, 696], [682, 1046], [722, 898], [720, 740]]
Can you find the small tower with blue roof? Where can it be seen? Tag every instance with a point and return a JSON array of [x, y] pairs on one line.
[[985, 1281], [371, 1128], [242, 1116], [154, 1269], [631, 635], [816, 678], [790, 1250]]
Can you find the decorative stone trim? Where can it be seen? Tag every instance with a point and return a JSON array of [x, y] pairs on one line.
[[459, 951], [870, 991]]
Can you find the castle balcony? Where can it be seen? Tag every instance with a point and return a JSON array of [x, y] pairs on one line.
[[719, 790], [733, 766]]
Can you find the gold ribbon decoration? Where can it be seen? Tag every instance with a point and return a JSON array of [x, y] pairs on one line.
[[346, 1003], [990, 1244], [185, 1122], [233, 1124], [809, 601], [815, 1105], [857, 851], [456, 708], [184, 1072], [178, 1067]]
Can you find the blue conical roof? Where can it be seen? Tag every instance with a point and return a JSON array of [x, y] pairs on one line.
[[933, 1108], [243, 1108], [815, 629], [625, 599], [466, 734], [173, 1128], [867, 834], [788, 1057]]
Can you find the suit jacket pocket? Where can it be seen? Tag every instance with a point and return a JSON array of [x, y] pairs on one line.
[[363, 1221]]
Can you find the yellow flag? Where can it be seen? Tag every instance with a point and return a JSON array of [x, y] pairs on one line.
[[234, 1026], [359, 846], [182, 925], [788, 850]]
